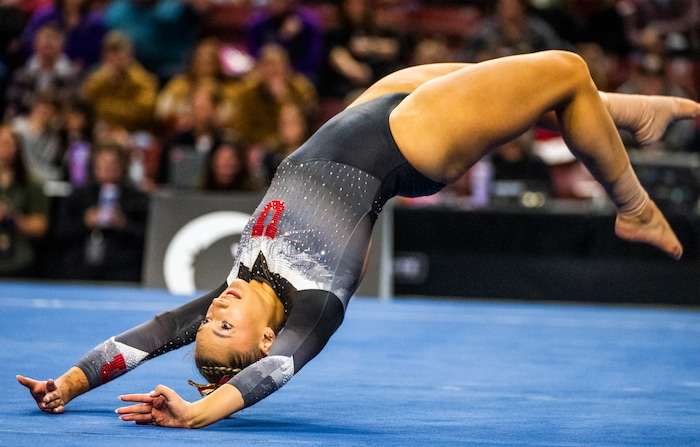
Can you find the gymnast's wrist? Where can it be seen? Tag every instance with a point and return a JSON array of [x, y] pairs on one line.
[[72, 384]]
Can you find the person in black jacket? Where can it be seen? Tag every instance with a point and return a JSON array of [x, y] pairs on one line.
[[102, 225]]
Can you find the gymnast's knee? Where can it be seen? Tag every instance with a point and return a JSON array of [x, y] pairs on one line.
[[567, 65]]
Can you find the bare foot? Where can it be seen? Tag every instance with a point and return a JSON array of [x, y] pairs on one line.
[[648, 116], [650, 227], [660, 111]]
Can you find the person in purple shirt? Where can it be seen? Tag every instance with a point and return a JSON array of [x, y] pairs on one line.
[[83, 25], [295, 28]]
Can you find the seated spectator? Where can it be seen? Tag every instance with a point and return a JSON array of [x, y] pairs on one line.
[[183, 157], [47, 69], [360, 51], [511, 29], [227, 169], [77, 136], [205, 67], [102, 225], [12, 23], [121, 92], [272, 83], [671, 26], [294, 28], [41, 143], [24, 210], [294, 128], [431, 50], [649, 77], [516, 169], [163, 32], [82, 25]]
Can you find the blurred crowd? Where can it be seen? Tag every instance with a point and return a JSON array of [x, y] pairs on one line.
[[107, 102]]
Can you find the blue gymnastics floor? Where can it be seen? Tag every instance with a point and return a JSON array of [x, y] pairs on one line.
[[400, 373]]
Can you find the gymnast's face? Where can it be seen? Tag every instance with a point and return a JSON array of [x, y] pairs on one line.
[[238, 320]]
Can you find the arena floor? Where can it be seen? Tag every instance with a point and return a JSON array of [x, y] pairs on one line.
[[407, 372]]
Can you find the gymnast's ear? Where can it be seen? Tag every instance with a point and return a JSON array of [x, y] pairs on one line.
[[267, 339]]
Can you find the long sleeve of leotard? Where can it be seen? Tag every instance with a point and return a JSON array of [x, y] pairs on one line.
[[313, 319], [165, 332]]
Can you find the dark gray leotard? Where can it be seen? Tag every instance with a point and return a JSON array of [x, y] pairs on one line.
[[307, 238]]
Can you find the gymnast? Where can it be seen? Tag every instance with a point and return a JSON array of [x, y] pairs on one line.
[[301, 256]]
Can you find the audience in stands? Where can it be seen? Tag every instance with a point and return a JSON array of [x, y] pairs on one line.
[[272, 83], [82, 25], [102, 225], [512, 28], [204, 67], [145, 75], [48, 68], [121, 92], [295, 125], [294, 27], [41, 142], [77, 137], [673, 25], [24, 210], [360, 50], [517, 170], [183, 157], [163, 32], [12, 24], [227, 169]]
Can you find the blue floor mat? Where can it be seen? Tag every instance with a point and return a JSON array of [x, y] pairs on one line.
[[408, 372]]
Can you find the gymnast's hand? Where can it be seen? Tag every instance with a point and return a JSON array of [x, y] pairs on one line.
[[161, 406], [47, 394]]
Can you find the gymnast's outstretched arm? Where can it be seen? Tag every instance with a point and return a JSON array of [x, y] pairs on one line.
[[122, 353]]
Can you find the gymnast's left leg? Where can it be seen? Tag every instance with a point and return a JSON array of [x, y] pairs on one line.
[[449, 123]]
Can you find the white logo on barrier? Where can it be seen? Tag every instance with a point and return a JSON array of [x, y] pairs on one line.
[[192, 239]]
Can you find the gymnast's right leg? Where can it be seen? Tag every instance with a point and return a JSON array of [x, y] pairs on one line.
[[449, 123]]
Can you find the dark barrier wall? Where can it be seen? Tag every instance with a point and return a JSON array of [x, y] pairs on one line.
[[192, 238], [538, 255]]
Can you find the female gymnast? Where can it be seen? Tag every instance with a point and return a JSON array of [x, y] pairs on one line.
[[301, 256]]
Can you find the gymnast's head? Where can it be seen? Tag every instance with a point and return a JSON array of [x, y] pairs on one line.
[[239, 328]]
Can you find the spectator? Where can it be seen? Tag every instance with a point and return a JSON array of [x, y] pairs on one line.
[[76, 141], [82, 26], [662, 26], [121, 92], [163, 32], [649, 77], [359, 51], [12, 23], [47, 69], [102, 225], [227, 169], [511, 29], [23, 209], [295, 126], [41, 144], [293, 27], [272, 83], [517, 169], [205, 67], [431, 50], [183, 157]]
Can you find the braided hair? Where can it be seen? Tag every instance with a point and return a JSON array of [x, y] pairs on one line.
[[218, 374]]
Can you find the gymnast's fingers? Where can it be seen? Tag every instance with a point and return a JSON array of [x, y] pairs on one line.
[[138, 418], [141, 397]]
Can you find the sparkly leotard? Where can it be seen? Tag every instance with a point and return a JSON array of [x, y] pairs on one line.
[[308, 239]]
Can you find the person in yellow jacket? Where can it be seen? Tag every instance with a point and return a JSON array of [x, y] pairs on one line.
[[121, 92], [271, 84]]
